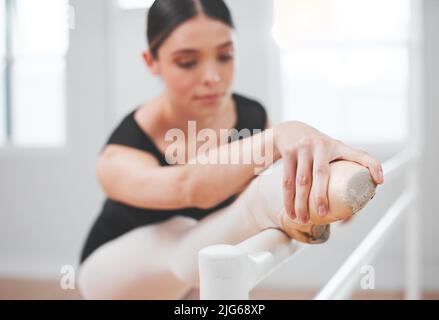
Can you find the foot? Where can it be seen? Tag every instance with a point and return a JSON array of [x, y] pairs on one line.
[[350, 187]]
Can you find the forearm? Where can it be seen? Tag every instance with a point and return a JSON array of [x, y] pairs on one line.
[[226, 170]]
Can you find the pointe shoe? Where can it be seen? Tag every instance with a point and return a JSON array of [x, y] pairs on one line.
[[350, 188]]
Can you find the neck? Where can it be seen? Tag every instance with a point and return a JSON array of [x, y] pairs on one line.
[[175, 119]]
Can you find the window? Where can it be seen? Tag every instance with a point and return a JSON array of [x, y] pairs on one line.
[[345, 66], [34, 42], [3, 75]]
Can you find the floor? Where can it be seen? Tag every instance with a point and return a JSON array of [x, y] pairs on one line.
[[33, 289]]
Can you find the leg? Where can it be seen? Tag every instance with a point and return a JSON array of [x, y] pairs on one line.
[[161, 261], [136, 264], [260, 206]]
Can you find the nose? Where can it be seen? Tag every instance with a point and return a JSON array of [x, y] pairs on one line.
[[211, 75]]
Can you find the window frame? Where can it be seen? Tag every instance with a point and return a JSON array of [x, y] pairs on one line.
[[8, 147]]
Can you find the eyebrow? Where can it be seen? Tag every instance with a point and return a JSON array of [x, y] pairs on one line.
[[188, 50]]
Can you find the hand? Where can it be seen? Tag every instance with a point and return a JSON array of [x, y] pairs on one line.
[[347, 220], [307, 153]]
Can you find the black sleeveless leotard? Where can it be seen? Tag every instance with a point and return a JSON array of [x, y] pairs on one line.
[[117, 218]]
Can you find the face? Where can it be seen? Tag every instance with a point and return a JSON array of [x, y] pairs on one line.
[[196, 63]]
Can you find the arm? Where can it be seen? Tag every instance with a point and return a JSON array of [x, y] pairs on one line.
[[134, 177]]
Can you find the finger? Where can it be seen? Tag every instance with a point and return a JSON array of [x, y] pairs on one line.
[[320, 180], [289, 183], [364, 159], [346, 220], [303, 184]]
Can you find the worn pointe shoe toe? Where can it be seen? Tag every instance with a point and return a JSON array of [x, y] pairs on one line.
[[309, 233], [350, 188]]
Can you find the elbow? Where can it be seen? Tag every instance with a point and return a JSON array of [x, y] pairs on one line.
[[198, 195], [203, 201], [103, 175]]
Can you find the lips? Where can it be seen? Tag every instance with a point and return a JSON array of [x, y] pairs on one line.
[[209, 98]]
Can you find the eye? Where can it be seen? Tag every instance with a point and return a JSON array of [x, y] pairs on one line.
[[225, 57], [187, 65]]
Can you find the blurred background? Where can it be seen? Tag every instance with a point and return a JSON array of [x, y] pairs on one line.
[[365, 72]]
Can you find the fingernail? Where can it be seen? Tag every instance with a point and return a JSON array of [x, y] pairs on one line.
[[322, 210], [292, 215], [304, 219]]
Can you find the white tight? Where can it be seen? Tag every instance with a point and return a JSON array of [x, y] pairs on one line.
[[160, 261]]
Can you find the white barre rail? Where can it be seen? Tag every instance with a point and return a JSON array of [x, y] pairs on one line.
[[231, 271], [342, 284]]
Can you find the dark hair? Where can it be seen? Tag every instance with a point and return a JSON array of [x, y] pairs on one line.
[[166, 15]]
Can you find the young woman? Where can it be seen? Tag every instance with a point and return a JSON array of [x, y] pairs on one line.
[[144, 243]]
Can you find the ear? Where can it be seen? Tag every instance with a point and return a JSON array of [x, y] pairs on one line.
[[151, 63]]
